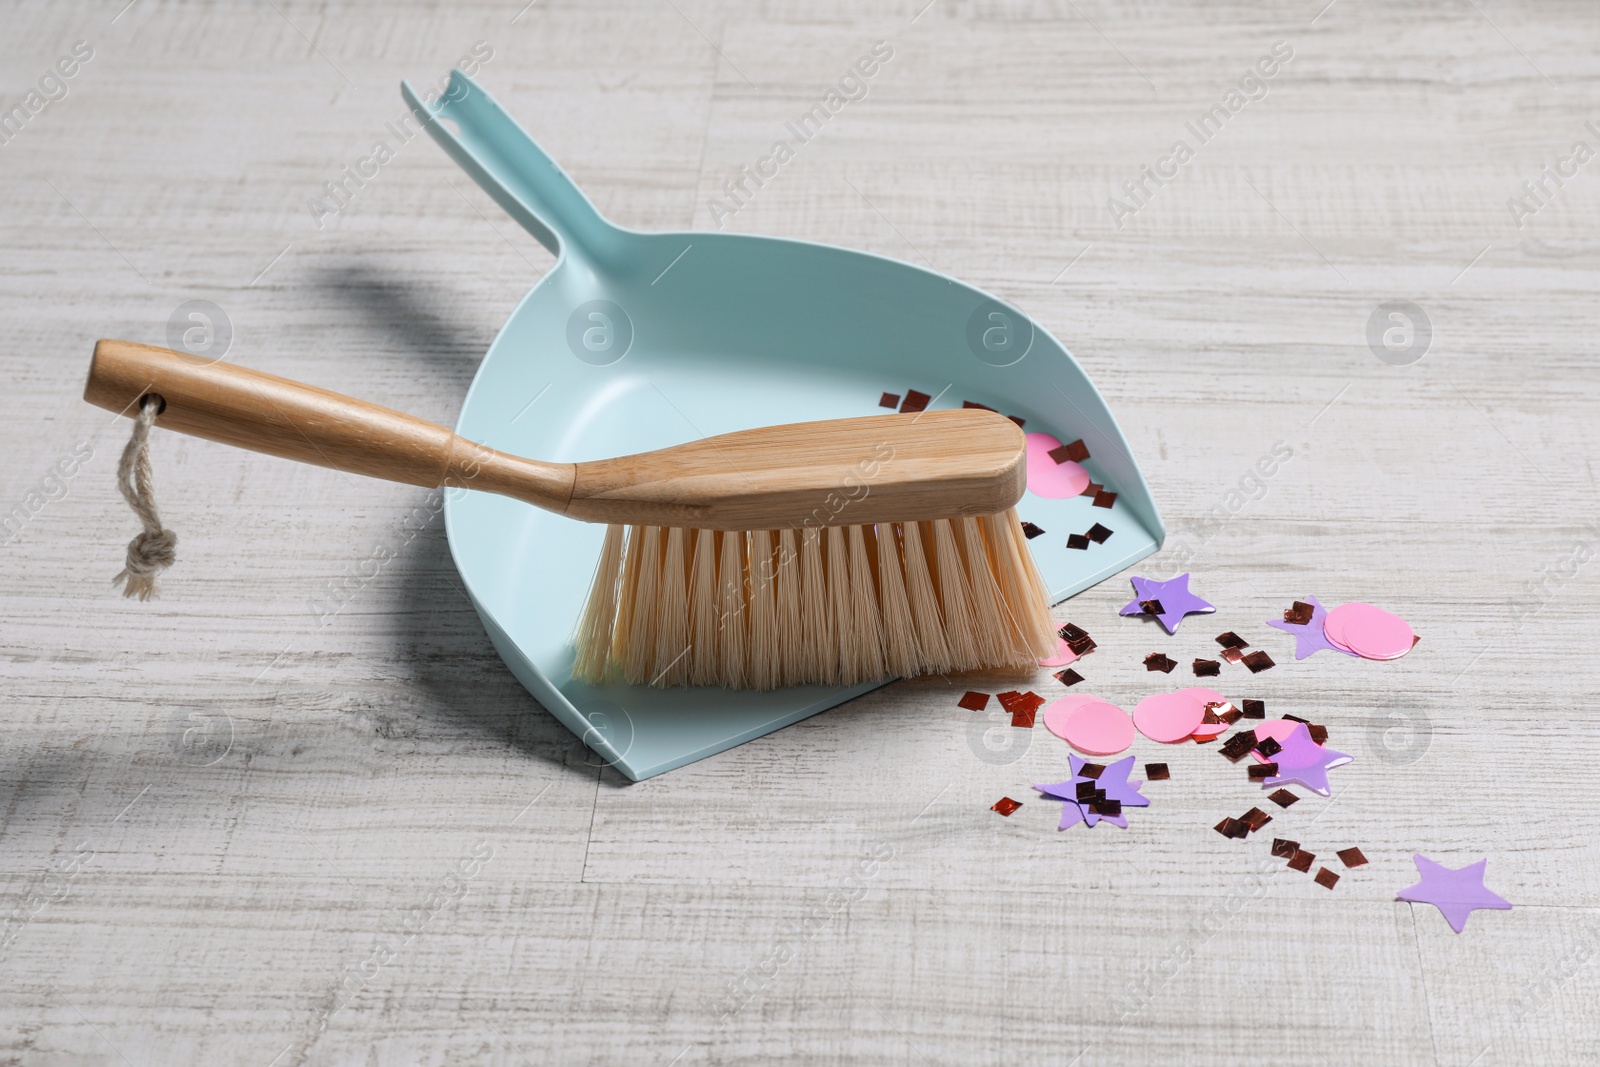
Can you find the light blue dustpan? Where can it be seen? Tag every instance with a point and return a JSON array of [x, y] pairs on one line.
[[635, 341]]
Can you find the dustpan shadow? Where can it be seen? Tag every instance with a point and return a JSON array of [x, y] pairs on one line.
[[451, 661], [416, 320]]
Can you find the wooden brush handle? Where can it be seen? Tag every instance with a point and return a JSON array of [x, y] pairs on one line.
[[264, 413]]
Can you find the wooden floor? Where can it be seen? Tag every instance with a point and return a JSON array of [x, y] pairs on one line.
[[238, 828]]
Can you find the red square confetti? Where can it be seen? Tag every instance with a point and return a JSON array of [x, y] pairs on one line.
[[1327, 878], [975, 404], [1157, 772], [1258, 661], [1159, 661], [1282, 797], [1352, 857], [1073, 450], [1254, 709], [1020, 422], [1300, 614], [1005, 806], [1093, 489], [1255, 818], [1030, 531], [1206, 668], [889, 400], [973, 701], [1104, 499], [915, 401], [1023, 717], [1262, 771], [1068, 677], [1318, 732], [1232, 655], [1077, 541], [1283, 848], [1098, 534], [1232, 640], [1302, 860]]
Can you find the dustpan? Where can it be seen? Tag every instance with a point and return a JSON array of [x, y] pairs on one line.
[[635, 341]]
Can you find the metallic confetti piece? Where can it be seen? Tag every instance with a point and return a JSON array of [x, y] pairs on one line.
[[1005, 806], [1157, 772], [1207, 668], [914, 401], [1283, 848], [889, 400], [1077, 541], [1232, 640], [1093, 489], [1152, 607], [1254, 709], [1091, 771], [1097, 533], [1300, 614], [1327, 878], [1302, 860], [1352, 857], [1232, 655], [1282, 797], [1255, 818], [1030, 531], [1258, 661], [1068, 677], [1159, 661], [974, 701], [1104, 499], [1076, 451], [1269, 746], [1263, 770]]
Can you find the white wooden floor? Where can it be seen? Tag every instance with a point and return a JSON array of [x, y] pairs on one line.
[[235, 831]]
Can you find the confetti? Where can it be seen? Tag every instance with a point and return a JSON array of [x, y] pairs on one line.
[[1030, 530], [1232, 640], [1308, 636], [1231, 827], [1151, 607], [1284, 849], [1282, 797], [914, 401], [1239, 745], [1097, 533], [1168, 717], [1352, 857], [1368, 631], [1254, 709], [1098, 729], [1022, 706], [1055, 716], [1258, 661], [1232, 655], [1110, 791], [1301, 861], [1076, 451], [1048, 478], [1068, 677], [1300, 614], [1255, 818], [1093, 489], [889, 400], [1268, 747], [1064, 655], [1077, 639], [1174, 594], [1077, 541], [1156, 772], [1263, 770], [974, 701], [1456, 892], [1327, 878], [1104, 499], [1158, 661], [1206, 668], [1304, 762], [1005, 806]]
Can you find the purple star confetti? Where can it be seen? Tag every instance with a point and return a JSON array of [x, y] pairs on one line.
[[1456, 892], [1113, 779], [1302, 761], [1308, 638], [1176, 600]]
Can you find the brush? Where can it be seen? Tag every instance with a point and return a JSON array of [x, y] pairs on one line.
[[820, 553]]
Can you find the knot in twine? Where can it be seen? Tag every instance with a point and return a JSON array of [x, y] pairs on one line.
[[154, 550]]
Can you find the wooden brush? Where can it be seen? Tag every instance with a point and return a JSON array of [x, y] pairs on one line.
[[827, 553]]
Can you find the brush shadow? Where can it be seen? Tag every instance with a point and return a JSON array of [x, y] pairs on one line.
[[418, 320]]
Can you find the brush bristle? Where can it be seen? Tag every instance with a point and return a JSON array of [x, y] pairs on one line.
[[835, 606]]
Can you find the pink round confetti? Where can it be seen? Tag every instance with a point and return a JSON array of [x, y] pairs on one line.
[[1208, 731], [1046, 477], [1334, 632], [1204, 695], [1098, 729], [1062, 658], [1168, 717], [1277, 729], [1370, 631], [1055, 716], [1205, 731]]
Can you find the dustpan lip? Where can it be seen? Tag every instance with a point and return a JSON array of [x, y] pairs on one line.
[[545, 688]]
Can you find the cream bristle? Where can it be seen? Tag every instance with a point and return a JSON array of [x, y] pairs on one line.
[[704, 657], [593, 638], [816, 614], [901, 655], [1027, 602], [838, 560], [627, 594], [763, 653], [955, 598], [924, 600], [868, 619], [791, 628], [731, 620], [672, 617], [646, 610], [835, 606], [994, 644]]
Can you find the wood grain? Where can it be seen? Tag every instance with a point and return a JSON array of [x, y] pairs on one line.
[[215, 807]]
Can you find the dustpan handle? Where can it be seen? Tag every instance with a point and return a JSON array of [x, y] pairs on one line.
[[507, 164]]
